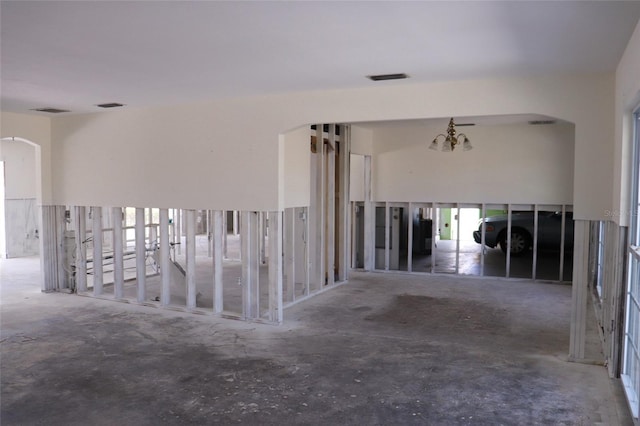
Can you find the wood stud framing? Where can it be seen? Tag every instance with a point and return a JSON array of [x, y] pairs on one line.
[[96, 233]]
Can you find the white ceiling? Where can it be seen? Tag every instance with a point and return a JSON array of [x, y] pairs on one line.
[[74, 55]]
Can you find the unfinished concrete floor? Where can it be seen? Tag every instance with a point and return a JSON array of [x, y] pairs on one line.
[[384, 349]]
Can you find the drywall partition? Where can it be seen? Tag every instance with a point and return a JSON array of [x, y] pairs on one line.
[[221, 155], [226, 154], [361, 140], [518, 163], [584, 100], [295, 165], [627, 98]]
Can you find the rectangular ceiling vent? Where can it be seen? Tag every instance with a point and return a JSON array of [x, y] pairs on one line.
[[110, 105], [541, 122], [383, 77], [51, 110]]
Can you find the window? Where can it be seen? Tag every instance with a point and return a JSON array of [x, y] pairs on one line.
[[631, 361]]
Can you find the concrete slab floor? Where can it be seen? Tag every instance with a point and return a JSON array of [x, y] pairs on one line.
[[386, 349]]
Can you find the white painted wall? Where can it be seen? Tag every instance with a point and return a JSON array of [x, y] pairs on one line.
[[509, 164], [361, 140], [20, 169], [226, 154], [215, 156], [356, 183], [626, 100], [297, 176], [20, 219], [37, 130]]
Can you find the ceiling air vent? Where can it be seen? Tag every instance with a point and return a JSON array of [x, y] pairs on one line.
[[382, 77], [50, 110], [110, 105], [541, 122]]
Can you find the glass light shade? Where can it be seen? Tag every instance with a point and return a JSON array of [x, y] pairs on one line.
[[466, 146], [446, 145], [434, 145]]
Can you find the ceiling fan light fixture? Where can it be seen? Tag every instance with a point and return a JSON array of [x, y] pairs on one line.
[[451, 139]]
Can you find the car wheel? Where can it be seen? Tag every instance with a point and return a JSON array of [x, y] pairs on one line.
[[519, 242]]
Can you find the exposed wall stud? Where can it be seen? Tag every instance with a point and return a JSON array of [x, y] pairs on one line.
[[191, 257], [579, 291], [219, 231], [369, 219], [81, 248], [275, 267], [330, 208], [250, 265], [141, 252], [165, 273], [118, 259], [96, 226]]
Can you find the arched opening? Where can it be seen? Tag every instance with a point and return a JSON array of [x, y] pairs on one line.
[[21, 197]]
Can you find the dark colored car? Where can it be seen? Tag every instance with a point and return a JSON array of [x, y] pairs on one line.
[[522, 231]]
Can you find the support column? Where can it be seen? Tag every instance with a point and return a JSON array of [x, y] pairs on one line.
[[275, 267], [96, 230], [190, 274], [410, 239], [118, 259], [165, 273], [81, 248], [219, 231], [141, 251], [369, 219], [579, 290]]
